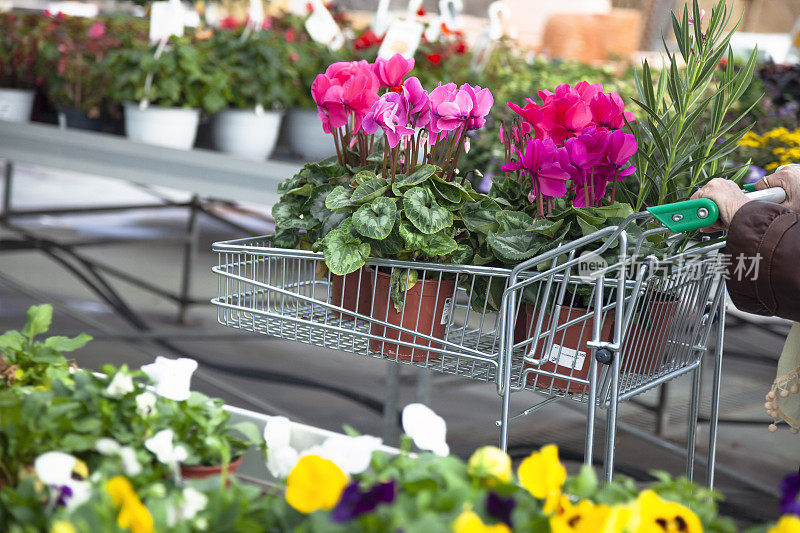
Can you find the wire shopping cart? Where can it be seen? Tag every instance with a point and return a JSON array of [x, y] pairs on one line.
[[568, 324]]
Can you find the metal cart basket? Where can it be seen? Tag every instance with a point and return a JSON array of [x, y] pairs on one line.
[[572, 325]]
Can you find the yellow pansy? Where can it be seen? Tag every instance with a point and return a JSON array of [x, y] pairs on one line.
[[586, 517], [60, 526], [135, 516], [120, 490], [469, 522], [542, 474], [787, 524], [314, 483], [652, 514], [490, 462]]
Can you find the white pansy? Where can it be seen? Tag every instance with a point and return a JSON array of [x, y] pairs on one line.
[[426, 428], [126, 454], [281, 461], [164, 449], [277, 432], [194, 501], [351, 454], [55, 470], [172, 377], [121, 384], [145, 403]]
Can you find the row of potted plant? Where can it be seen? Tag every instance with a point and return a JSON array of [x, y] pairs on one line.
[[83, 451], [575, 161]]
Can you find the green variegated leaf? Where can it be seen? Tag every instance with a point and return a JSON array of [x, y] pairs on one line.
[[508, 220], [586, 228], [286, 238], [401, 280], [375, 219], [515, 245], [344, 251], [338, 198], [423, 211], [288, 214], [315, 205], [364, 176], [462, 255], [440, 244], [289, 184], [547, 228], [369, 190], [446, 190], [414, 240], [333, 222], [389, 246], [480, 216], [415, 178]]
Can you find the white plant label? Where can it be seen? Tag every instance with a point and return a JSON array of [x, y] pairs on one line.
[[413, 7], [446, 311], [256, 13], [566, 357], [166, 20], [403, 38], [74, 9], [321, 26], [382, 19]]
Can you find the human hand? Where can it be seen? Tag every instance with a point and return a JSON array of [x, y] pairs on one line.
[[788, 178], [728, 197]]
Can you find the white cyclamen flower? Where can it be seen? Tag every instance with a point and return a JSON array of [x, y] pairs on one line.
[[146, 403], [121, 384], [126, 454], [426, 428], [172, 377], [55, 470], [351, 454], [164, 449]]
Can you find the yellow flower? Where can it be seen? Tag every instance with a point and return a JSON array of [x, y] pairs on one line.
[[490, 462], [542, 475], [787, 524], [651, 514], [60, 526], [469, 522], [120, 490], [314, 483], [771, 166], [135, 516], [590, 518]]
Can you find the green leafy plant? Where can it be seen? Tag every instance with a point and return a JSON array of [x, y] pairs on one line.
[[685, 133], [19, 50], [185, 75]]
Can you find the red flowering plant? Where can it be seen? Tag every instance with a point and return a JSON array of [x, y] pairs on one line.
[[19, 50], [71, 54]]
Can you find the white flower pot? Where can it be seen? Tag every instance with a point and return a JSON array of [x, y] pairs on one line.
[[16, 104], [305, 135], [246, 133], [173, 127]]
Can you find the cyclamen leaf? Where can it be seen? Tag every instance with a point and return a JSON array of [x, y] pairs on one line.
[[480, 216], [414, 240], [391, 245], [462, 255], [376, 219], [344, 251], [415, 178], [446, 190], [547, 228], [364, 176], [440, 244], [286, 238], [315, 205], [515, 245], [339, 197], [369, 190], [423, 211], [508, 220]]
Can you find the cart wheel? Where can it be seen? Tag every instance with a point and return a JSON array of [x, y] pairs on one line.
[[604, 356]]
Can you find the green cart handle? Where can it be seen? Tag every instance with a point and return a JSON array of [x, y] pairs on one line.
[[703, 212]]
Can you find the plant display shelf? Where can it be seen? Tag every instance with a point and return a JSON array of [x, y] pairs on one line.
[[549, 325]]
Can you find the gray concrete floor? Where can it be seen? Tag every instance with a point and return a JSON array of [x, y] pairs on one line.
[[329, 389]]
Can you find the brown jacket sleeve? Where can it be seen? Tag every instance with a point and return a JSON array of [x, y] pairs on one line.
[[768, 234]]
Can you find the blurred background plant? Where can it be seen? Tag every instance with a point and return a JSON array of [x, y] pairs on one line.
[[19, 50]]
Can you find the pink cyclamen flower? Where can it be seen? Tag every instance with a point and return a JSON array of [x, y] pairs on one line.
[[482, 101], [544, 163], [419, 106], [450, 108], [562, 114], [608, 111], [344, 70], [621, 147], [390, 113], [327, 94], [390, 72], [97, 30], [347, 92]]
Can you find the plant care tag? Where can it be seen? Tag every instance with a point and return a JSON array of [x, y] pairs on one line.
[[382, 18], [256, 14], [321, 26], [446, 312], [166, 20], [74, 9], [402, 38], [567, 357]]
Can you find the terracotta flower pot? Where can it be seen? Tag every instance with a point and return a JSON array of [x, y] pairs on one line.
[[645, 343], [203, 471], [569, 354], [353, 292], [426, 310]]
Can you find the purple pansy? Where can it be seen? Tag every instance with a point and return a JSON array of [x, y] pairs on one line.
[[355, 502], [790, 499]]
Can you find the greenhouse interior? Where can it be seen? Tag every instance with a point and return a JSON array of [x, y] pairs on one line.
[[399, 266]]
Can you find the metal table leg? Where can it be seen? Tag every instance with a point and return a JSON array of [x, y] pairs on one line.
[[390, 430]]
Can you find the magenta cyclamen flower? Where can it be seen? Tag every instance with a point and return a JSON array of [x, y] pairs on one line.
[[599, 158], [450, 109], [97, 30], [608, 111], [482, 101], [545, 164], [419, 107], [390, 72], [346, 89], [390, 113]]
